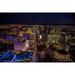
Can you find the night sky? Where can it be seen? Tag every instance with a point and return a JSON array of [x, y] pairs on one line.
[[37, 18]]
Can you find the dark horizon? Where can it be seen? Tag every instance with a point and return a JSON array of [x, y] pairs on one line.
[[37, 18]]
